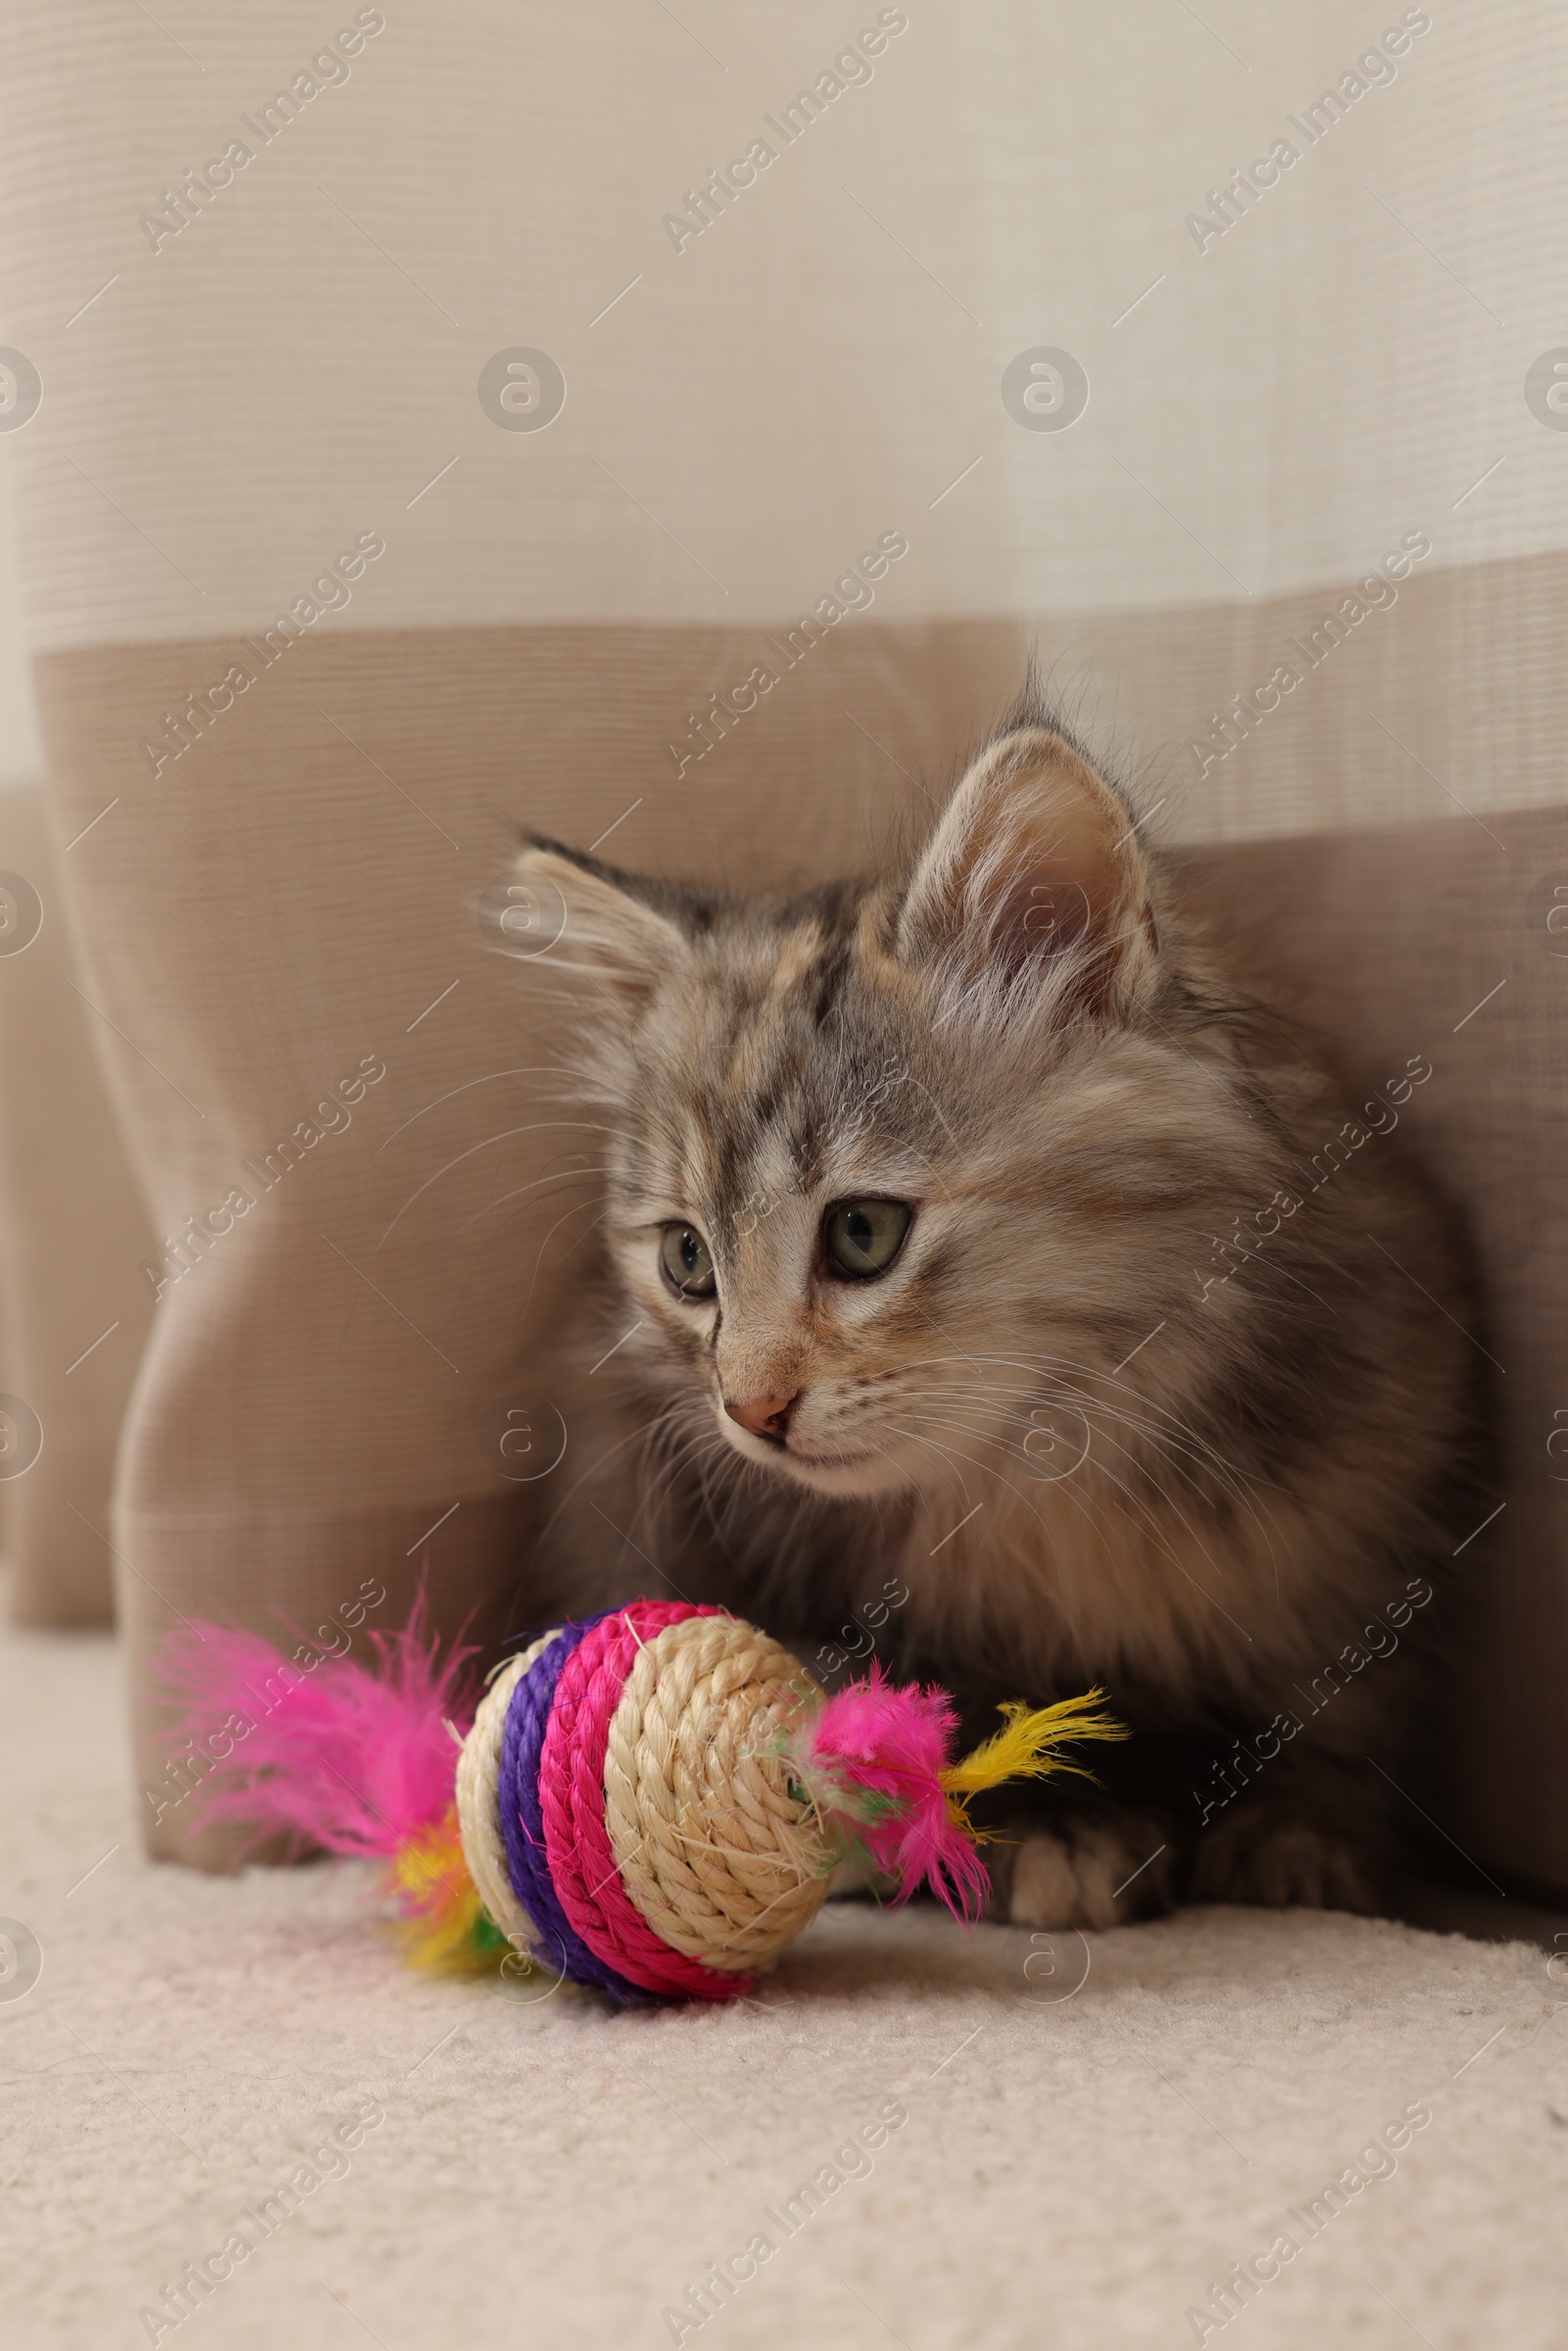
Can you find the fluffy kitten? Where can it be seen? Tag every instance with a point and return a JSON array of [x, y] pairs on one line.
[[967, 1218]]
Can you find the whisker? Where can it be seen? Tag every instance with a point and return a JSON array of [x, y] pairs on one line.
[[534, 1127], [559, 1176]]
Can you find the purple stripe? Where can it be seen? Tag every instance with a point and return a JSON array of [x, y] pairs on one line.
[[522, 1740]]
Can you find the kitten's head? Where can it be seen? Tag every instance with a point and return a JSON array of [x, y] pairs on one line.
[[895, 1164]]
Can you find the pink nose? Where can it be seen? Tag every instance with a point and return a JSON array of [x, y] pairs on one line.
[[765, 1415]]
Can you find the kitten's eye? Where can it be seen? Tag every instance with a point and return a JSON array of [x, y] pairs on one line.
[[863, 1235], [688, 1266]]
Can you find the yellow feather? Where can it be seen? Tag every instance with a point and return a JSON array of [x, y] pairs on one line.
[[1026, 1749], [441, 1906]]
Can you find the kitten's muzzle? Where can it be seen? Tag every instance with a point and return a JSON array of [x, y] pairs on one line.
[[766, 1416]]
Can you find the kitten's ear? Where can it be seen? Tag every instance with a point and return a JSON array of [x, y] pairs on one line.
[[580, 916], [1033, 865]]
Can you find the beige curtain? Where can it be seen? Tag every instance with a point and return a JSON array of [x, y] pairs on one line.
[[74, 1315], [440, 418]]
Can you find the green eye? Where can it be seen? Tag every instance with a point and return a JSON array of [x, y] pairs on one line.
[[863, 1235], [688, 1266]]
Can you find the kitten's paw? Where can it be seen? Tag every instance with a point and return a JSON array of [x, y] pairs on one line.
[[1280, 1862], [1086, 1873]]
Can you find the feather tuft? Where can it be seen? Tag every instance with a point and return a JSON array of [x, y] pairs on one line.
[[1026, 1747], [442, 1924], [876, 1763], [347, 1757], [871, 1761]]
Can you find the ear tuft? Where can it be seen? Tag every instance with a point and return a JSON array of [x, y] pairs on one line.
[[580, 916], [1034, 870]]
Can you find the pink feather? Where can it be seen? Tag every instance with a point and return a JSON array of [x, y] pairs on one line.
[[879, 1750], [342, 1757]]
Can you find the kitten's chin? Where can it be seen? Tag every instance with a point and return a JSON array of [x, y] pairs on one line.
[[842, 1474], [864, 1473]]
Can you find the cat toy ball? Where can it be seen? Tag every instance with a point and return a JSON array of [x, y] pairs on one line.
[[650, 1801]]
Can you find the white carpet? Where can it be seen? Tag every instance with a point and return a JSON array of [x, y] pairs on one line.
[[1071, 2175]]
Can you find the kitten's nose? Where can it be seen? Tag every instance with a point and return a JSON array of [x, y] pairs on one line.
[[765, 1415]]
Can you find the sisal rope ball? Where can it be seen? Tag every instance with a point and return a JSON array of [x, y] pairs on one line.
[[631, 1771]]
